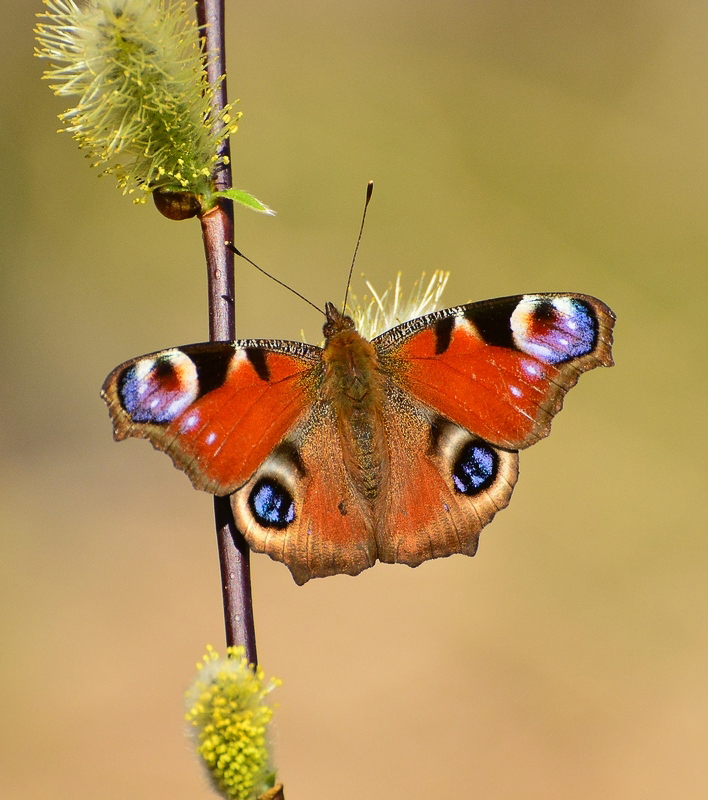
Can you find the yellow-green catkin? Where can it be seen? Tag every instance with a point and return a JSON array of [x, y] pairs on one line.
[[144, 108], [229, 720]]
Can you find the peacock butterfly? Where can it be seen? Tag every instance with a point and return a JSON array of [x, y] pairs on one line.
[[399, 449]]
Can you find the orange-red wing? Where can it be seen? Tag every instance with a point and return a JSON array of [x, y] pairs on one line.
[[217, 409], [500, 368], [300, 506], [444, 486]]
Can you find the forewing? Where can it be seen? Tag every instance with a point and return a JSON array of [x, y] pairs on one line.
[[500, 368], [217, 409]]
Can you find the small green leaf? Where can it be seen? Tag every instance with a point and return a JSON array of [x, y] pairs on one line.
[[246, 199]]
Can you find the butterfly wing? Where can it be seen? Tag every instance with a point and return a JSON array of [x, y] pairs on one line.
[[468, 387], [217, 409], [444, 485], [500, 368], [301, 507], [243, 418]]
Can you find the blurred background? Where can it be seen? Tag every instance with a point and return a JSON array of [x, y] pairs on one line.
[[525, 146]]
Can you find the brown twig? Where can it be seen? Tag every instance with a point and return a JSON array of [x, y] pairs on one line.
[[217, 228]]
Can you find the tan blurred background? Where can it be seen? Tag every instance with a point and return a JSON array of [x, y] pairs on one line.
[[526, 146]]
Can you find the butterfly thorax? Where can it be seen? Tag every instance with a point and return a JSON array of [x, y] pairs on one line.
[[353, 387]]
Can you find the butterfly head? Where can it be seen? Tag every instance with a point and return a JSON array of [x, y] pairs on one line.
[[336, 321]]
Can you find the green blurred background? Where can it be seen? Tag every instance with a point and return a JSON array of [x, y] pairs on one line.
[[525, 146]]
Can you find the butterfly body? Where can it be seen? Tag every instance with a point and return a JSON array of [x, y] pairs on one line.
[[398, 449], [354, 387]]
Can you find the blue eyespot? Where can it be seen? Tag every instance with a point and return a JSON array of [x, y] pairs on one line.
[[271, 504], [475, 468], [157, 389], [554, 329]]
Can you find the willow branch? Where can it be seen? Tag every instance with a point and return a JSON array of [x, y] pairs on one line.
[[217, 228]]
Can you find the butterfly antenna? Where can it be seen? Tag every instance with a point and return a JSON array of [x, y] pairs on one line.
[[369, 192], [235, 249]]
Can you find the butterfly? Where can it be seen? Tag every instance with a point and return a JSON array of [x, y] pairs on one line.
[[399, 449]]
